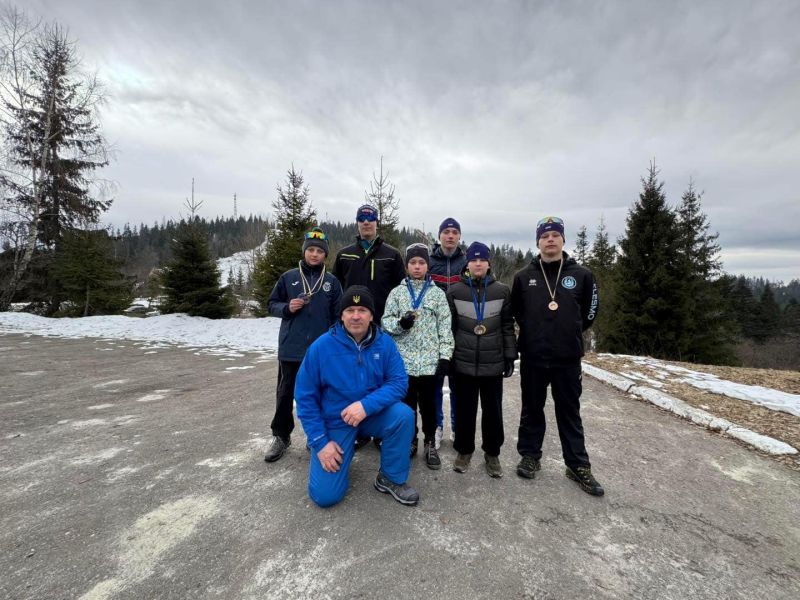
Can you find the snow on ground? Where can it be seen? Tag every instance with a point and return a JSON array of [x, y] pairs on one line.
[[769, 398], [250, 335], [241, 261]]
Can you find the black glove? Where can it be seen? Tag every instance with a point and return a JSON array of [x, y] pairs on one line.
[[407, 320], [508, 368], [443, 368]]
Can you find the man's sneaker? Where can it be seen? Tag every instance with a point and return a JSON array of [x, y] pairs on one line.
[[432, 457], [362, 441], [583, 475], [414, 447], [462, 463], [277, 449], [437, 437], [493, 467], [528, 466], [402, 492], [378, 443]]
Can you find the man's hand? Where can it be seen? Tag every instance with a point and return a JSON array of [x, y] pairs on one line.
[[508, 367], [330, 457], [354, 414], [295, 304]]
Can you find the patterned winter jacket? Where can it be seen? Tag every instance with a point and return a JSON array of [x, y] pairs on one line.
[[431, 336]]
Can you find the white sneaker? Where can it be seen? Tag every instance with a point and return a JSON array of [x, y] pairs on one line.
[[437, 438]]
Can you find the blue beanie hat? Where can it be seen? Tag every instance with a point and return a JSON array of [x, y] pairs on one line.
[[550, 224], [449, 222], [477, 250]]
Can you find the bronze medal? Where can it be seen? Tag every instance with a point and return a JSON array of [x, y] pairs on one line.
[[553, 305], [306, 298], [480, 329]]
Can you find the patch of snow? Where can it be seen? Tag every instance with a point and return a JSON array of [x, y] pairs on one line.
[[240, 262], [246, 335]]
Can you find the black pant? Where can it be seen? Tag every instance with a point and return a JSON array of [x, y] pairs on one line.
[[490, 390], [283, 423], [422, 393], [566, 387]]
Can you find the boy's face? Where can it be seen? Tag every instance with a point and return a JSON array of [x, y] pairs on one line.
[[314, 256], [449, 238], [478, 268], [417, 268]]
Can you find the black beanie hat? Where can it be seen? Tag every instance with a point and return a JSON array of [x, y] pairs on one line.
[[418, 250], [357, 295], [316, 237]]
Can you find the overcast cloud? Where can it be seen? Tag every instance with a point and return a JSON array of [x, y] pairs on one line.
[[496, 113]]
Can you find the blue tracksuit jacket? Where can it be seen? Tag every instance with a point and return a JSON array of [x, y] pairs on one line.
[[337, 372]]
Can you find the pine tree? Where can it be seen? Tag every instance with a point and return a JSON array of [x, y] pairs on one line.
[[89, 275], [791, 318], [601, 262], [191, 280], [582, 246], [293, 217], [769, 317], [742, 306], [381, 196], [649, 307], [708, 329]]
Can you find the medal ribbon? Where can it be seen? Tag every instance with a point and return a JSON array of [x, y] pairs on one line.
[[308, 289], [416, 301], [553, 291], [479, 310]]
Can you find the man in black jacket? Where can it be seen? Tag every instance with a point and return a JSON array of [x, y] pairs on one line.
[[369, 261], [306, 300], [554, 300]]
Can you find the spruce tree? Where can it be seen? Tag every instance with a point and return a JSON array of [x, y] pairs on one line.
[[601, 261], [191, 280], [742, 306], [791, 318], [381, 196], [708, 330], [582, 246], [293, 217], [89, 276], [769, 317], [648, 313]]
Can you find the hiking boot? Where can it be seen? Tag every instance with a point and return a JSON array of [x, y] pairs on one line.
[[493, 467], [432, 456], [437, 437], [414, 446], [583, 476], [528, 466], [462, 463], [277, 449], [402, 492], [362, 441]]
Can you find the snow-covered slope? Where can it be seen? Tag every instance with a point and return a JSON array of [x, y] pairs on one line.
[[241, 261]]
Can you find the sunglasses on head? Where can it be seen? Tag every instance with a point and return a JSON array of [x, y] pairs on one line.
[[316, 235], [417, 245], [547, 220], [370, 216]]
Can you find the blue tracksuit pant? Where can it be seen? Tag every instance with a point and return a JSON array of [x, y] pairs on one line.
[[394, 425]]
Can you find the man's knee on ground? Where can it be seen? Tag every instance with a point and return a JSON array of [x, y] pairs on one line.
[[326, 496]]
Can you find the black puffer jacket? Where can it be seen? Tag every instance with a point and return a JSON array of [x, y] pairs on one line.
[[553, 337], [381, 269], [482, 355]]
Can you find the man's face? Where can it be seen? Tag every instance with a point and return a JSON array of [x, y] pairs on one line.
[[314, 256], [478, 268], [417, 268], [551, 244], [449, 238], [367, 229], [356, 320]]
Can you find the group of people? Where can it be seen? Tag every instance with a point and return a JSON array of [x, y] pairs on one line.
[[362, 349]]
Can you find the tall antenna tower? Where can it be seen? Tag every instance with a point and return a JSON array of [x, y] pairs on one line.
[[234, 207]]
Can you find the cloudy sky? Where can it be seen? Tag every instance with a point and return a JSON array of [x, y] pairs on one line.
[[496, 113]]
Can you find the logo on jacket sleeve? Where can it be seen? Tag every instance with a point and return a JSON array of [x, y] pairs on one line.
[[569, 282]]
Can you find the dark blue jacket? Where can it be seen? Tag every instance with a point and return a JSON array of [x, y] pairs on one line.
[[447, 270], [337, 372], [300, 329]]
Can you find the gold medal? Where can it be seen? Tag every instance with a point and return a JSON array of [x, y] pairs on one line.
[[552, 291], [480, 329], [553, 305]]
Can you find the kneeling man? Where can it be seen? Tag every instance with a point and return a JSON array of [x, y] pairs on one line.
[[351, 384]]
